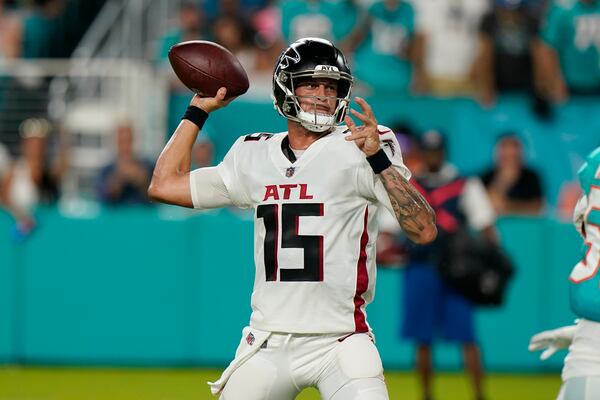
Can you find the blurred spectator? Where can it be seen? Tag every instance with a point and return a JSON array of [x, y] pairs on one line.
[[538, 7], [508, 42], [126, 179], [570, 193], [10, 33], [10, 48], [41, 30], [384, 60], [390, 249], [431, 307], [569, 56], [256, 52], [203, 153], [233, 34], [230, 8], [266, 22], [31, 30], [53, 28], [268, 44], [233, 8], [260, 71], [512, 187], [338, 21], [409, 144], [26, 97], [34, 178], [5, 162], [28, 35], [451, 44], [191, 26]]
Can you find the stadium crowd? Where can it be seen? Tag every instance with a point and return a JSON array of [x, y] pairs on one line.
[[444, 49]]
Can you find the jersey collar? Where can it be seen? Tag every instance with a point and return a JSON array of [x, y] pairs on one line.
[[283, 157]]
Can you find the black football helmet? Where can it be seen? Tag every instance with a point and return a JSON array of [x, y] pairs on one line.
[[311, 58]]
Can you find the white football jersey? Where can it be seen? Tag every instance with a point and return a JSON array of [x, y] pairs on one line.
[[315, 229]]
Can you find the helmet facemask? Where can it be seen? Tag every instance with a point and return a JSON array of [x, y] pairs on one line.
[[299, 63], [314, 121]]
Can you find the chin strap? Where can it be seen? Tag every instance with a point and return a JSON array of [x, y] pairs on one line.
[[316, 122], [315, 128]]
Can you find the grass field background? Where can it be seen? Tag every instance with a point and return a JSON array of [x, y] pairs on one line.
[[181, 384]]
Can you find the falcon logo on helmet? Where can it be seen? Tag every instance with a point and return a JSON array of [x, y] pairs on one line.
[[311, 58], [289, 58]]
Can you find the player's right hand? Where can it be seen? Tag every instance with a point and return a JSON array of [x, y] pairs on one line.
[[210, 104], [552, 340]]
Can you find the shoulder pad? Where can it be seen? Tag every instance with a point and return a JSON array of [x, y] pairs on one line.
[[388, 140], [589, 173], [383, 130]]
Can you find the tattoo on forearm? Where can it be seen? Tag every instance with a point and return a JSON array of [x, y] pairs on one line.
[[411, 209]]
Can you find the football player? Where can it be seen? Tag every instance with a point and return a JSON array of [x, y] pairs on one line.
[[315, 190], [581, 372]]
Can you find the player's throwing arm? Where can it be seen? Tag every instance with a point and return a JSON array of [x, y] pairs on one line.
[[415, 215], [170, 180], [217, 77]]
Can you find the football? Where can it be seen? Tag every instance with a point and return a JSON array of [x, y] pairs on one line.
[[204, 67]]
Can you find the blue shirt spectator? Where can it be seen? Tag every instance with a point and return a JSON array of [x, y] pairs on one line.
[[126, 179]]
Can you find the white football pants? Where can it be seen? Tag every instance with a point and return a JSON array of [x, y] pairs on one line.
[[580, 388], [581, 373], [584, 352], [349, 369]]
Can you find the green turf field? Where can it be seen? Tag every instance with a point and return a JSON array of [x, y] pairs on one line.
[[180, 384]]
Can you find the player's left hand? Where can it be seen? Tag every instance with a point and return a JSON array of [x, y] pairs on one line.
[[365, 136], [552, 340]]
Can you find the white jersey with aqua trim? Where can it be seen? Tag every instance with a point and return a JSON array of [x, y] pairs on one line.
[[582, 364], [315, 229], [585, 276]]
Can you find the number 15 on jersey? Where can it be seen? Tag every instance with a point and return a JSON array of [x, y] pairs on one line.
[[312, 245]]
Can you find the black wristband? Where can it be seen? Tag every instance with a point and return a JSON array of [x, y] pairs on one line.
[[379, 161], [195, 115]]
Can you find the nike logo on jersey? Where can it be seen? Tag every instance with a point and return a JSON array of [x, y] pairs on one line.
[[286, 191]]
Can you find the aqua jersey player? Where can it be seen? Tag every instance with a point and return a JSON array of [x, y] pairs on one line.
[[581, 372]]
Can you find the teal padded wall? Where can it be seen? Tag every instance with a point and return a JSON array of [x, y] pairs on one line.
[[9, 290], [105, 290], [170, 287], [164, 286], [223, 265]]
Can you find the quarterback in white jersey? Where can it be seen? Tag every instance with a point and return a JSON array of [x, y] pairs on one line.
[[581, 372], [315, 191]]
